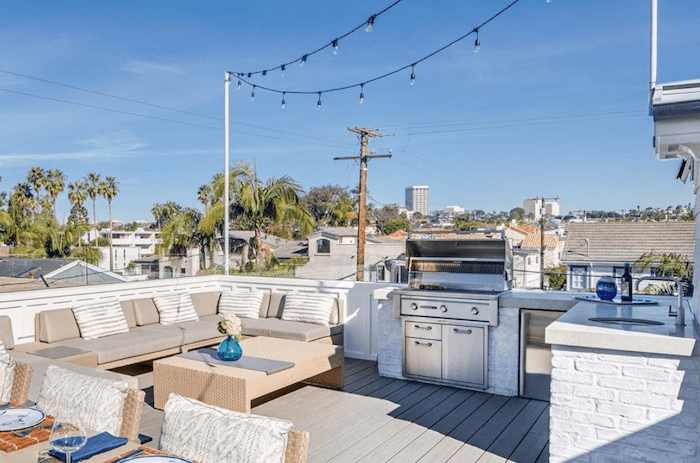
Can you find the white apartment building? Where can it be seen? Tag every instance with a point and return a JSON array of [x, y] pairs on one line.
[[417, 199], [534, 207]]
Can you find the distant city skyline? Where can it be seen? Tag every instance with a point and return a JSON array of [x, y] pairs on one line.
[[554, 102]]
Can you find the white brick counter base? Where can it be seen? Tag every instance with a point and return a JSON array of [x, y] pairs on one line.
[[612, 406]]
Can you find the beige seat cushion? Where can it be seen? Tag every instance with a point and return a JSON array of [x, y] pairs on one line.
[[6, 335], [57, 325], [206, 303], [145, 311], [191, 332], [298, 331], [128, 309]]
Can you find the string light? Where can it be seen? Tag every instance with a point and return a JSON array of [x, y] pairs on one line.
[[283, 68], [240, 84], [302, 61], [370, 23], [264, 74], [335, 46], [252, 94], [284, 103], [362, 93], [249, 74]]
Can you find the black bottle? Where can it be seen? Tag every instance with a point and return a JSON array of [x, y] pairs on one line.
[[626, 285]]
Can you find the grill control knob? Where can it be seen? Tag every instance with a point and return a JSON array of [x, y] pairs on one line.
[[475, 311], [443, 308], [414, 306]]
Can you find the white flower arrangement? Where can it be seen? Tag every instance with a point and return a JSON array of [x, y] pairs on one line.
[[231, 325]]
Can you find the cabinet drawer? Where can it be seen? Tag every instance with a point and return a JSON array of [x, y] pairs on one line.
[[423, 330], [423, 357], [464, 354]]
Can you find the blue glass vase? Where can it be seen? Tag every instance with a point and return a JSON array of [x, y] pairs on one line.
[[606, 289], [229, 349]]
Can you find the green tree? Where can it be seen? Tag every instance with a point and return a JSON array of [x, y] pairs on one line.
[[345, 210], [180, 234], [393, 225], [55, 183], [92, 180], [321, 202], [557, 276], [109, 188], [204, 195]]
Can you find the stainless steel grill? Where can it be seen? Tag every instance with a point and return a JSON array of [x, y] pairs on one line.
[[451, 300]]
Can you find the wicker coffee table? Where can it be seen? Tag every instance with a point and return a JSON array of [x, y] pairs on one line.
[[233, 388]]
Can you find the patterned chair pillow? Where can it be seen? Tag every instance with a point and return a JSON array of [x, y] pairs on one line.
[[7, 373], [209, 434], [98, 401], [101, 319], [308, 307], [243, 304], [177, 308]]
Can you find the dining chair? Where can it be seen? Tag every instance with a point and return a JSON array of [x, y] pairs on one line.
[[209, 434], [20, 383]]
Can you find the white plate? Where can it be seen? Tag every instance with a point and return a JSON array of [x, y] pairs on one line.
[[13, 419], [156, 459]]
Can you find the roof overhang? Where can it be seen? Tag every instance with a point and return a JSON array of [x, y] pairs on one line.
[[675, 108]]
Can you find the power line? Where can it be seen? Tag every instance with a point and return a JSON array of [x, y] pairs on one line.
[[242, 76], [163, 119]]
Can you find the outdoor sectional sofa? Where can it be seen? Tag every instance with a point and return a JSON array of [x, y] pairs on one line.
[[147, 339]]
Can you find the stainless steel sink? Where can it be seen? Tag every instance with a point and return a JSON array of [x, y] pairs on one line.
[[625, 321]]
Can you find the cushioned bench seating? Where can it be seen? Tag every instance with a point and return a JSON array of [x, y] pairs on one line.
[[148, 339]]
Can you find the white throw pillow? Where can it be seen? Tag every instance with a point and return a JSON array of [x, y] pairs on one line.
[[243, 304], [209, 434], [98, 401], [7, 373], [100, 319], [308, 307], [177, 308]]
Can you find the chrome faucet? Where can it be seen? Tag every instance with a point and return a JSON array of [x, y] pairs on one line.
[[680, 311]]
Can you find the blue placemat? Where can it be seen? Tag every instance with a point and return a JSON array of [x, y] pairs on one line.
[[269, 366], [96, 444]]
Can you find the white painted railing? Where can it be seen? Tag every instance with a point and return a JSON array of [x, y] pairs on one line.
[[360, 306]]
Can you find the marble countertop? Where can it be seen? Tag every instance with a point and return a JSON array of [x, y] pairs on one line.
[[575, 329]]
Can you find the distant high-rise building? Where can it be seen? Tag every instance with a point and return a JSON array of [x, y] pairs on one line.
[[417, 199], [534, 207]]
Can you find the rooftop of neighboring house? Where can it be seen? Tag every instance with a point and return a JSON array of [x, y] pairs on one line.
[[341, 232], [19, 267], [9, 285], [627, 241], [533, 241]]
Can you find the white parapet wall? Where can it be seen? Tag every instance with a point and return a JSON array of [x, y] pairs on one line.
[[360, 306], [624, 406]]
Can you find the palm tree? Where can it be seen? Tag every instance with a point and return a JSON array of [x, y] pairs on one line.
[[204, 195], [77, 194], [93, 181], [36, 179], [258, 205], [55, 183], [110, 189]]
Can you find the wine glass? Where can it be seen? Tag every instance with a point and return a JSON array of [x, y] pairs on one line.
[[67, 434]]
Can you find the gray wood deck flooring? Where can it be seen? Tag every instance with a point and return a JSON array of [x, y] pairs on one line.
[[376, 419]]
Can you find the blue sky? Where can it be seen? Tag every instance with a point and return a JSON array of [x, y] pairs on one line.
[[554, 104]]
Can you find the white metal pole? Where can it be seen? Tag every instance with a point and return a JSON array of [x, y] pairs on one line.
[[654, 20], [227, 83]]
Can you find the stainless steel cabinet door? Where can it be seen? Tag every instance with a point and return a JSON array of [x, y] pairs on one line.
[[423, 357], [464, 354]]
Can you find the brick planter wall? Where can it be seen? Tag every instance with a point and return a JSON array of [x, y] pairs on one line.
[[611, 406]]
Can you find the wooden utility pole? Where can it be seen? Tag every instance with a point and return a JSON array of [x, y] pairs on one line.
[[542, 244], [364, 134]]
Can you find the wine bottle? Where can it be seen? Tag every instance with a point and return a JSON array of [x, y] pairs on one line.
[[626, 285]]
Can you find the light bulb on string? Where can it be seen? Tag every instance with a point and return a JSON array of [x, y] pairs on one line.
[[335, 46], [284, 103], [252, 94], [303, 61], [264, 73], [413, 74], [370, 23], [249, 74], [283, 68], [318, 105], [477, 43], [240, 84], [362, 93]]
